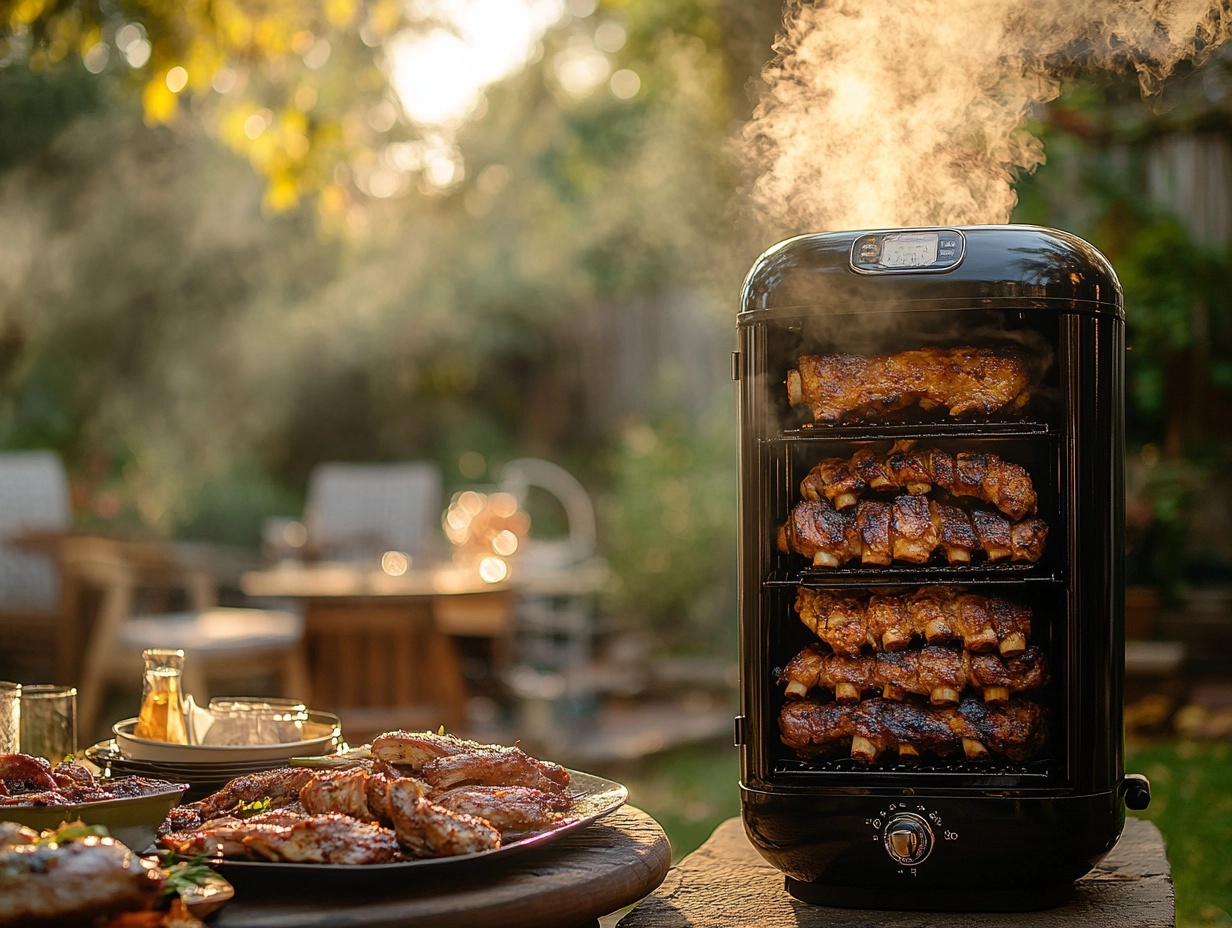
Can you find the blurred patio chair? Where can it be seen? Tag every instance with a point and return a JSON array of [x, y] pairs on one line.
[[34, 499], [219, 642], [357, 512]]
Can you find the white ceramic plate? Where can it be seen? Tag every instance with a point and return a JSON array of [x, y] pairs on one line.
[[325, 730]]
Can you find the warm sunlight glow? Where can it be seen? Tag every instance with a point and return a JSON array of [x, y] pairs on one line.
[[440, 75]]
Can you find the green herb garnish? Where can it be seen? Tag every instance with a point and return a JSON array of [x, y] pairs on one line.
[[249, 809], [72, 832], [187, 875]]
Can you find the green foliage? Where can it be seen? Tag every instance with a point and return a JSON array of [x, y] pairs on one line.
[[1191, 803], [34, 107], [671, 518]]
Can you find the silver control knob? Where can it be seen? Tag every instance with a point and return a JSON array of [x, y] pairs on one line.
[[908, 839]]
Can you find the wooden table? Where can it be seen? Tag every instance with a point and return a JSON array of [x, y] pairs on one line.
[[727, 883], [380, 648], [570, 883]]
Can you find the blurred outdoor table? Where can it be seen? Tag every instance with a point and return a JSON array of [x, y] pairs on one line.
[[380, 646]]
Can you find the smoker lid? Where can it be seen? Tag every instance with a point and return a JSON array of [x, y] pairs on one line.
[[992, 266]]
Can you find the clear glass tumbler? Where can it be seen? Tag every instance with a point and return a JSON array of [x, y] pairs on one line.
[[10, 717], [49, 721]]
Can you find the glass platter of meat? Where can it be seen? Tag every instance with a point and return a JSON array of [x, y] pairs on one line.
[[593, 798]]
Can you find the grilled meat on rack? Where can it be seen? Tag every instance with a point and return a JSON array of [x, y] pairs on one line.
[[909, 529], [937, 614], [876, 725], [964, 380], [939, 673], [986, 477]]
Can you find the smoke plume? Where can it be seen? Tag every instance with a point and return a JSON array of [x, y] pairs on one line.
[[881, 113]]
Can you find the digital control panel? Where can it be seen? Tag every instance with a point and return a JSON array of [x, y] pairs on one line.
[[911, 250]]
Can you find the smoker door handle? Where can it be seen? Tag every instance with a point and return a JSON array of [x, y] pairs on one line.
[[1136, 791]]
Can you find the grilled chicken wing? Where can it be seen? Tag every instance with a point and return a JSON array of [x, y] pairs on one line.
[[964, 380]]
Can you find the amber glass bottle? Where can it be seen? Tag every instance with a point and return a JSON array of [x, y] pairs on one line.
[[162, 716]]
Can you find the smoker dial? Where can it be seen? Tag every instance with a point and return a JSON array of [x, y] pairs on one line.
[[908, 839]]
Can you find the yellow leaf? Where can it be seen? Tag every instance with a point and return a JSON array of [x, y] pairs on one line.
[[25, 12], [340, 13], [159, 103], [281, 193]]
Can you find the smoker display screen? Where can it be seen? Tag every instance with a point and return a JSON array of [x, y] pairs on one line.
[[917, 249]]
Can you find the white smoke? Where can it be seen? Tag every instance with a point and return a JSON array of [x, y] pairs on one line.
[[881, 113]]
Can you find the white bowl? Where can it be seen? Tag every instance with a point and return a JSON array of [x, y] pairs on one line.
[[322, 731]]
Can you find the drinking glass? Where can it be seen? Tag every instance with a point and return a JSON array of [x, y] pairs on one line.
[[10, 717], [49, 721], [241, 720]]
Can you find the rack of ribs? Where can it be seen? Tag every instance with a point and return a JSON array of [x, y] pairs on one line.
[[963, 380], [939, 673], [874, 726], [937, 614], [910, 528], [985, 477]]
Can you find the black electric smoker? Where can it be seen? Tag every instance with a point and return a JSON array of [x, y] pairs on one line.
[[931, 565]]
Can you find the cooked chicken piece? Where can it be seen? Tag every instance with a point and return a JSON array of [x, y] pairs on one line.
[[23, 773], [76, 883], [226, 835], [344, 791], [986, 477], [280, 786], [963, 380], [511, 809], [332, 838], [415, 748], [871, 727], [909, 529], [937, 614], [511, 767], [453, 761], [939, 673], [426, 829], [294, 836]]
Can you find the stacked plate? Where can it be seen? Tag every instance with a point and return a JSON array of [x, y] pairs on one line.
[[206, 767]]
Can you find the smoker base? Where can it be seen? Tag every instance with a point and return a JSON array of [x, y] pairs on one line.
[[966, 900]]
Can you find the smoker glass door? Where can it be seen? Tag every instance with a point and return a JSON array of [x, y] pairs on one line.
[[906, 594]]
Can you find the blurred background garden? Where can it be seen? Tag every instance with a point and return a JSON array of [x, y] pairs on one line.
[[240, 240]]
